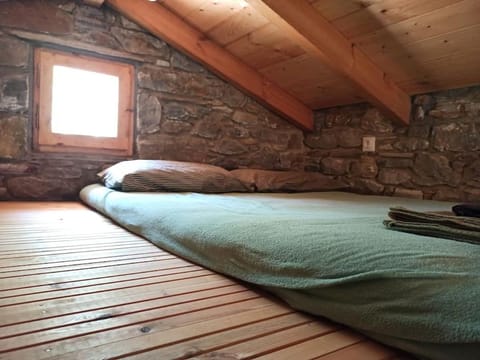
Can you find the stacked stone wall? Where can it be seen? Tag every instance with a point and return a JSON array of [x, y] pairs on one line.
[[184, 112], [436, 157]]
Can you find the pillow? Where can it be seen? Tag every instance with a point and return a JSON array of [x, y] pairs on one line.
[[271, 181], [163, 175]]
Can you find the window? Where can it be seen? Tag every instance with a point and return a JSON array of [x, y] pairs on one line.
[[82, 104]]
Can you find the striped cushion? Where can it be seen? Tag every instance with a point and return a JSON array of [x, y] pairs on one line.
[[292, 181], [163, 175]]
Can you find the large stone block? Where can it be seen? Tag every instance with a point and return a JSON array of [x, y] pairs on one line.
[[349, 137], [191, 85], [434, 169], [366, 167], [214, 123], [472, 173], [178, 111], [426, 102], [448, 194], [346, 153], [149, 113], [233, 97], [471, 195], [208, 129], [89, 18], [395, 163], [345, 116], [456, 137], [68, 6], [375, 122], [35, 16], [140, 43], [237, 132], [99, 38], [127, 24], [335, 166], [173, 147], [326, 139], [337, 118], [290, 160], [14, 92], [40, 188], [13, 52], [408, 144], [408, 193], [158, 79], [17, 168], [367, 186], [448, 110], [202, 86], [419, 131], [182, 62], [4, 195], [175, 127], [230, 147], [56, 172], [244, 118], [394, 176], [278, 139], [12, 136]]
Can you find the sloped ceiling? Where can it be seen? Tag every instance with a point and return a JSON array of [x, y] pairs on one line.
[[302, 55]]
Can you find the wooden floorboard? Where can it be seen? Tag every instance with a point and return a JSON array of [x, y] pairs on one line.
[[73, 285]]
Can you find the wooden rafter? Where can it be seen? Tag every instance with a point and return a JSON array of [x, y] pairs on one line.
[[171, 28], [301, 22], [96, 3]]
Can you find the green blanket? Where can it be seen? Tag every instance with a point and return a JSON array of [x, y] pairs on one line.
[[325, 253]]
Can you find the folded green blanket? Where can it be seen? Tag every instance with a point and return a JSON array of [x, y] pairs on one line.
[[434, 224]]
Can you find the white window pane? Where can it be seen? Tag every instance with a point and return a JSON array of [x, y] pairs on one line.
[[84, 102]]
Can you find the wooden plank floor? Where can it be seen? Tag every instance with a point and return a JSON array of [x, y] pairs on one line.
[[75, 286]]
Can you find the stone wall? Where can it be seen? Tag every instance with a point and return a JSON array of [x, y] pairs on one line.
[[184, 112], [436, 157]]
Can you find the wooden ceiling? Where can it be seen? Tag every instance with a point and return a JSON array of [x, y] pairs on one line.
[[323, 53]]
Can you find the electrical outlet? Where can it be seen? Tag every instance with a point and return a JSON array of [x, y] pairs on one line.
[[368, 144]]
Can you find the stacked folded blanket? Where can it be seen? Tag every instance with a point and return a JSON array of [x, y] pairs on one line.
[[443, 225]]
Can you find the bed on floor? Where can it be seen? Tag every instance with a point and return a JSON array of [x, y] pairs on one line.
[[325, 253]]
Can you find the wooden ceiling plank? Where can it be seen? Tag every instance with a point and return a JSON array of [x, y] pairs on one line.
[[183, 8], [212, 13], [441, 21], [264, 47], [166, 25], [453, 44], [453, 80], [240, 24], [436, 74], [302, 67], [334, 9], [384, 13], [301, 22], [417, 61], [96, 3]]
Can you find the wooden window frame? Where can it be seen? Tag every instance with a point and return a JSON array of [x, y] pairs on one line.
[[46, 140]]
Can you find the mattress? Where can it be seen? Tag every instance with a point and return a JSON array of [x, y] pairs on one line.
[[324, 253]]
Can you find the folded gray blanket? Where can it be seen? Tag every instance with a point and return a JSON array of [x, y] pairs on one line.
[[443, 225]]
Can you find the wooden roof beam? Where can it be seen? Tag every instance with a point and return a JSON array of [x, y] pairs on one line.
[[96, 3], [166, 25], [304, 24]]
